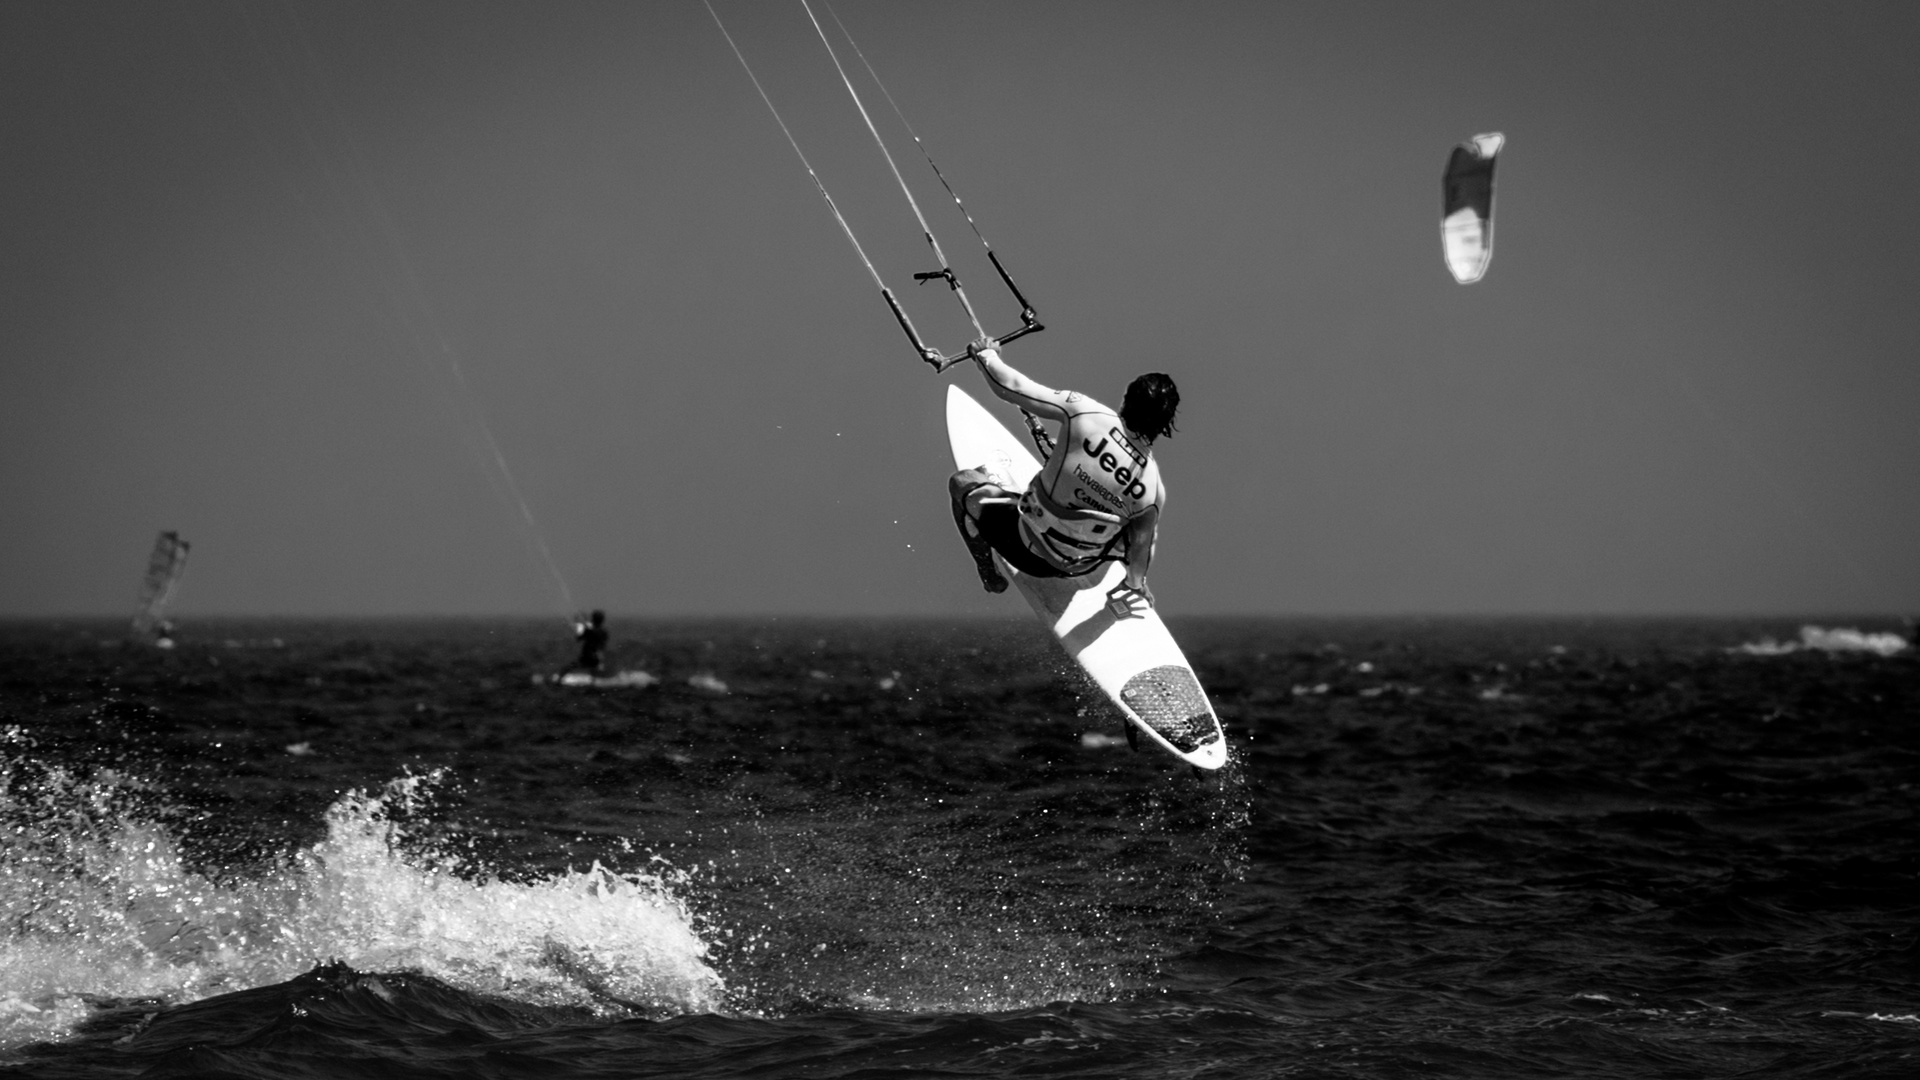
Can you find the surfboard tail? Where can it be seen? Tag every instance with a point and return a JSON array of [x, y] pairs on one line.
[[1169, 700], [1170, 703]]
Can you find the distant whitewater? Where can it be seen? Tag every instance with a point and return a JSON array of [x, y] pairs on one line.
[[1837, 640]]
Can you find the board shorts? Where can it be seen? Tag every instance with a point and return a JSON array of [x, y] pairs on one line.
[[999, 525]]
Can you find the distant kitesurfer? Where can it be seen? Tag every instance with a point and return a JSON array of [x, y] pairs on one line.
[[592, 635], [1097, 499]]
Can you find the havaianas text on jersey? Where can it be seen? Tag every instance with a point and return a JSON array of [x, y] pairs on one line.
[[1134, 483], [1098, 488]]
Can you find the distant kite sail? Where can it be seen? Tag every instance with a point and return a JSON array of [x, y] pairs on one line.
[[1466, 214], [164, 567]]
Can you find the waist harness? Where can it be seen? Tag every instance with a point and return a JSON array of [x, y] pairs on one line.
[[1073, 540]]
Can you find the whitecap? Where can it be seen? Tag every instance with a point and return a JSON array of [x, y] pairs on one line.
[[101, 904], [1836, 640]]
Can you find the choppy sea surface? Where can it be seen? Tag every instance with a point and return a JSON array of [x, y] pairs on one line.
[[1477, 849]]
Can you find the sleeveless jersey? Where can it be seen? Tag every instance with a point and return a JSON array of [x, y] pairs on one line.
[[1075, 511], [1074, 515]]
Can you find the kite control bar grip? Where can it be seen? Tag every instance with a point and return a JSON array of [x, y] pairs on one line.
[[1030, 328], [972, 350]]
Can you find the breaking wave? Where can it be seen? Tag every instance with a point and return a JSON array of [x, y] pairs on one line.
[[1836, 640], [99, 907]]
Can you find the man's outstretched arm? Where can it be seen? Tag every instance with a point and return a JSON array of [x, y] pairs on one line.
[[1016, 389]]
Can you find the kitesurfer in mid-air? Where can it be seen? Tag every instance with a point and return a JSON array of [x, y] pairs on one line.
[[592, 635], [1098, 498]]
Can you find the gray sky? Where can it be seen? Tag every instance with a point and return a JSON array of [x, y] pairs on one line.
[[273, 272]]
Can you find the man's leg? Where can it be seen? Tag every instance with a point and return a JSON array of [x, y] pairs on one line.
[[966, 488]]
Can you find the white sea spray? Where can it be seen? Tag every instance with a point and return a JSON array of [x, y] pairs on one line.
[[98, 906]]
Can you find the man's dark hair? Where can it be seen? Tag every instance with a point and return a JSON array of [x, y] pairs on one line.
[[1152, 399]]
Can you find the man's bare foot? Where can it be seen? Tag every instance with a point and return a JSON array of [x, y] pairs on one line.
[[990, 576]]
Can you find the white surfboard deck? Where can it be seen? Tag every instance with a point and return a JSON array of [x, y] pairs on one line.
[[630, 679], [1133, 660]]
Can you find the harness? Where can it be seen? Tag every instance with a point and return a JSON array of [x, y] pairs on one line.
[[1075, 541]]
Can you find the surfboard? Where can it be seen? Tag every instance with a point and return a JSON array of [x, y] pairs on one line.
[[1466, 210], [1134, 660], [630, 679]]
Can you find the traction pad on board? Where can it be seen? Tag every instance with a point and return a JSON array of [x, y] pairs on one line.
[[1170, 700]]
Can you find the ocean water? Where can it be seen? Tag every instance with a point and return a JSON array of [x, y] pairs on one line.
[[919, 849]]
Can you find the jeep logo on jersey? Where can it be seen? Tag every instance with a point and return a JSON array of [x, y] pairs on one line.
[[1132, 478]]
